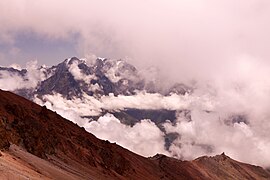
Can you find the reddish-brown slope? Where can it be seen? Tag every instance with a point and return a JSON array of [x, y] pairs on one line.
[[223, 167], [43, 133], [57, 140]]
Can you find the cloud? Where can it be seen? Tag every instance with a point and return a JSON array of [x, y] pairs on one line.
[[12, 81], [220, 121], [154, 101], [91, 106], [144, 138], [185, 39], [78, 74], [208, 134]]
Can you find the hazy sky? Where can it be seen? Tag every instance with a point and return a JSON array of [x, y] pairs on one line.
[[195, 38], [28, 47]]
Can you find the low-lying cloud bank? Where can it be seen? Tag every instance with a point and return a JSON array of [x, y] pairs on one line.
[[144, 138], [91, 106], [218, 122], [12, 81]]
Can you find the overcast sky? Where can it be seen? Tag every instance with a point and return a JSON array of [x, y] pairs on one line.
[[194, 37]]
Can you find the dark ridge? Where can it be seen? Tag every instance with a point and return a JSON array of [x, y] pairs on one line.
[[132, 116]]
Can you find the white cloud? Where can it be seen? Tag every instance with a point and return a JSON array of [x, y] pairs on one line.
[[83, 107], [144, 138], [78, 74], [185, 39], [208, 134], [12, 81], [89, 105]]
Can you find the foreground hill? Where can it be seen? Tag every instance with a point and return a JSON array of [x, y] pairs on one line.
[[38, 143]]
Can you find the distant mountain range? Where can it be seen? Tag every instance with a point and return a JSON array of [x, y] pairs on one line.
[[75, 78]]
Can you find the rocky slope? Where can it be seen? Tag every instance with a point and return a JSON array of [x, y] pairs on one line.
[[40, 133]]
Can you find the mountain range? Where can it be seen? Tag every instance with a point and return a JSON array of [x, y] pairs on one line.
[[73, 77], [76, 78]]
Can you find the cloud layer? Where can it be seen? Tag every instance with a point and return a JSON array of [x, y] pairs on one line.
[[226, 122], [144, 138], [185, 39], [13, 81]]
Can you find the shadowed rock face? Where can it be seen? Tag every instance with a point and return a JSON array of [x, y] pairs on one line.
[[132, 116], [61, 80], [47, 135], [12, 70]]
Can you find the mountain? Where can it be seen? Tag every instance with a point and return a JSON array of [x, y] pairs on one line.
[[78, 78], [73, 77], [37, 143]]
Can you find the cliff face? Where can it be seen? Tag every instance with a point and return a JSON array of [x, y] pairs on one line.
[[44, 134]]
